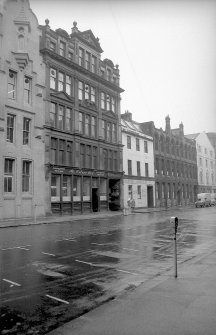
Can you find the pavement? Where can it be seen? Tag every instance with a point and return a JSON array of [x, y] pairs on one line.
[[166, 305]]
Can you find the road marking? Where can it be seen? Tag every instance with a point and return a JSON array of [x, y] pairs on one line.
[[132, 273], [46, 253], [57, 299], [11, 282], [66, 239], [98, 243], [77, 260], [130, 249], [22, 248]]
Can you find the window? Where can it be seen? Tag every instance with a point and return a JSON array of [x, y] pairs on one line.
[[108, 102], [137, 144], [113, 104], [129, 142], [87, 125], [80, 90], [109, 75], [138, 169], [52, 114], [70, 55], [62, 49], [115, 161], [129, 167], [60, 117], [102, 100], [27, 90], [26, 176], [94, 157], [55, 188], [60, 81], [145, 146], [109, 132], [26, 131], [146, 170], [105, 159], [12, 85], [68, 119], [130, 192], [81, 57], [93, 126], [103, 129], [87, 92], [68, 85], [61, 152], [87, 60], [93, 94], [82, 155], [53, 79], [69, 153], [139, 191], [88, 156], [8, 175], [53, 151], [81, 123], [114, 133], [66, 188], [93, 64], [52, 46], [10, 128]]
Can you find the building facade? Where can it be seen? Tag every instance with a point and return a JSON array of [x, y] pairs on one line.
[[83, 151], [206, 163], [138, 164], [22, 78], [175, 165]]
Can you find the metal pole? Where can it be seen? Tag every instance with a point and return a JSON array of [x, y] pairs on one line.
[[175, 256]]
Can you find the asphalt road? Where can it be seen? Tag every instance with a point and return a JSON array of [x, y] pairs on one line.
[[50, 274]]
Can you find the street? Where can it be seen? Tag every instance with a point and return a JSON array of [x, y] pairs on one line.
[[52, 273]]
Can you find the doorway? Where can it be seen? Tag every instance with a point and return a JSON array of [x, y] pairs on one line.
[[150, 199], [95, 199]]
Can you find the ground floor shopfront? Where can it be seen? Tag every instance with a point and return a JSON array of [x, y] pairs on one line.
[[141, 191], [74, 191], [174, 193]]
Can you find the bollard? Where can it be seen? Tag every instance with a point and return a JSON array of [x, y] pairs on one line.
[[174, 221]]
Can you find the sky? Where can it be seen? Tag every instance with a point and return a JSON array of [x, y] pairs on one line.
[[166, 52]]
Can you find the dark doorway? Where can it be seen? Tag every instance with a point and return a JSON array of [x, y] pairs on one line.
[[150, 199], [95, 199]]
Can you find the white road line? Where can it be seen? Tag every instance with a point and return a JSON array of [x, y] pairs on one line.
[[130, 249], [98, 243], [22, 248], [132, 273], [57, 299], [19, 247], [11, 282], [46, 253], [77, 260]]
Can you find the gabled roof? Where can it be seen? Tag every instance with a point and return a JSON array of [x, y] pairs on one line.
[[88, 38], [62, 95], [134, 128]]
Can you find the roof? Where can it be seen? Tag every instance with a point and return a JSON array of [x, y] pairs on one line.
[[192, 136], [134, 128]]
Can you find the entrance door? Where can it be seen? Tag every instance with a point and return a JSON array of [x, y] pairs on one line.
[[95, 199], [150, 199]]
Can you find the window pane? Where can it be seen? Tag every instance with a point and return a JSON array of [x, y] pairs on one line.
[[12, 84], [10, 128]]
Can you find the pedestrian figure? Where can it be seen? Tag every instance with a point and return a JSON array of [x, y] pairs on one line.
[[132, 204]]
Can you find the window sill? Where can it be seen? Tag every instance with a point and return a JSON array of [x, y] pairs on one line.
[[9, 196]]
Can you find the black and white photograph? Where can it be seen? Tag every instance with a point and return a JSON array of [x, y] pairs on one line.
[[107, 167]]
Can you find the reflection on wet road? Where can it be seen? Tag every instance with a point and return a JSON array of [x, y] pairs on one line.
[[53, 273]]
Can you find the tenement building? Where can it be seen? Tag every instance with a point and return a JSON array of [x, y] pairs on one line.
[[206, 163], [22, 78], [175, 165], [138, 164], [83, 151]]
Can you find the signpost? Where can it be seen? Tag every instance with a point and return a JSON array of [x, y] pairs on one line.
[[174, 221]]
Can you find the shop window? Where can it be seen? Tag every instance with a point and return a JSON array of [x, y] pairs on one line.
[[139, 192], [8, 175], [103, 189], [55, 188], [76, 188], [86, 188], [10, 128], [66, 188]]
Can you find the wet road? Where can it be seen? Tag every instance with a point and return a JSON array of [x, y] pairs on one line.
[[52, 273]]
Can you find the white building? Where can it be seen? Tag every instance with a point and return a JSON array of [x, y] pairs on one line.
[[138, 164], [206, 163]]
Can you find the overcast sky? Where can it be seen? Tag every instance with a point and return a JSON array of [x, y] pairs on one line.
[[166, 51]]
